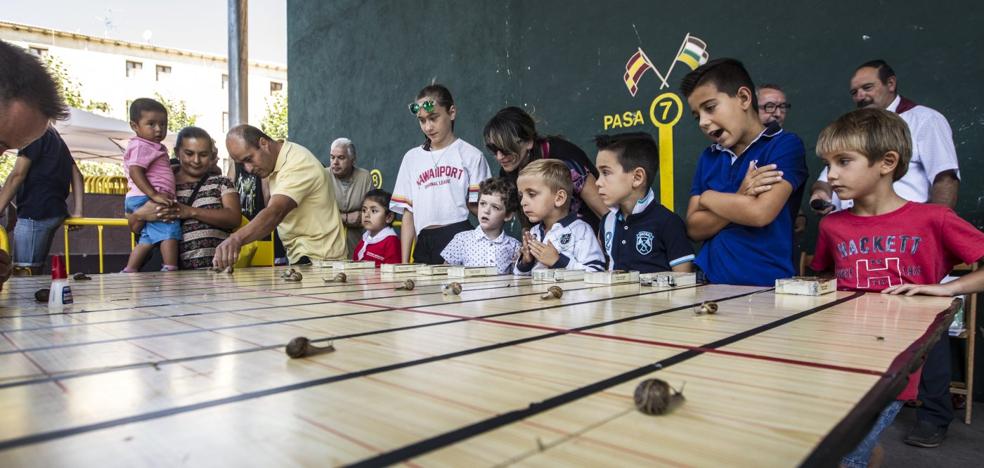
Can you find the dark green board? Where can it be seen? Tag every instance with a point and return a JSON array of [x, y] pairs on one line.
[[355, 65]]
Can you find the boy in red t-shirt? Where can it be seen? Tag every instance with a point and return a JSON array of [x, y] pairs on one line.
[[885, 243]]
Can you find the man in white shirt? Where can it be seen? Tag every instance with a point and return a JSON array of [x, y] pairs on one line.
[[934, 175]]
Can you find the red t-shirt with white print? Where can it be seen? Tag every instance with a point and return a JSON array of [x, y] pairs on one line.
[[915, 244]]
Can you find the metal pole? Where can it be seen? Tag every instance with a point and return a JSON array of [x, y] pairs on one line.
[[238, 63]]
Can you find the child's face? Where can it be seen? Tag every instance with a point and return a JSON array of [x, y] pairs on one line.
[[151, 126], [375, 217], [537, 200], [437, 124], [614, 183], [724, 119], [492, 211], [851, 175]]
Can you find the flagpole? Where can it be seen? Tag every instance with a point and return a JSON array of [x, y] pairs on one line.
[[682, 45], [651, 65]]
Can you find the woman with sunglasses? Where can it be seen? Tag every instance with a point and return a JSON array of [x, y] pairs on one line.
[[511, 136], [437, 185]]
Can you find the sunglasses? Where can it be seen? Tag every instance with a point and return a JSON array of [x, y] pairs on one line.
[[426, 105]]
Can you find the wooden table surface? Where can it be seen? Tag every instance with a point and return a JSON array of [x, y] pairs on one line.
[[188, 368]]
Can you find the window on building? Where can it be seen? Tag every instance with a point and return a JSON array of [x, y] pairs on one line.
[[225, 81], [126, 110], [38, 51], [133, 68], [276, 87], [225, 121], [163, 71]]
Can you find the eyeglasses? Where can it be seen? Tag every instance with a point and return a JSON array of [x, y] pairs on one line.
[[772, 107], [426, 105]]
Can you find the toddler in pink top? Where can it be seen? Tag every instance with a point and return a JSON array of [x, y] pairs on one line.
[[150, 178]]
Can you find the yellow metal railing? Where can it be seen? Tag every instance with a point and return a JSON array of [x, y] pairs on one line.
[[109, 185], [4, 241], [99, 223]]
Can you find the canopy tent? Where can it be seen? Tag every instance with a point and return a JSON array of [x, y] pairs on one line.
[[95, 137]]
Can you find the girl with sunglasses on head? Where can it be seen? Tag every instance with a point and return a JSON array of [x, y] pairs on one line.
[[437, 185], [511, 136]]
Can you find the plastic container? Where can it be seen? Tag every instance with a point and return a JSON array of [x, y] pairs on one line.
[[60, 293]]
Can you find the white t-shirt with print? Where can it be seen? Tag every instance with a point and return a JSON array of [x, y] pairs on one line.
[[436, 186]]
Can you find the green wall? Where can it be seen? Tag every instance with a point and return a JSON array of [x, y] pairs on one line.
[[355, 65]]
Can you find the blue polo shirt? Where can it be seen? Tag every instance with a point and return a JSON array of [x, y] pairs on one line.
[[650, 240], [744, 254]]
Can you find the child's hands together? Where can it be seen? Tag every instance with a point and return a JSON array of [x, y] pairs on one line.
[[525, 255], [162, 199], [546, 254]]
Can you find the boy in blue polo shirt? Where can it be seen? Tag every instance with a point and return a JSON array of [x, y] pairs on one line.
[[638, 233], [748, 183]]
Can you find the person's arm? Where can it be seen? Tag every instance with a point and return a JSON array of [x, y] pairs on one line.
[[702, 224], [967, 284], [150, 211], [590, 196], [139, 177], [945, 188], [16, 178], [228, 217], [227, 253], [352, 219], [407, 236], [78, 190], [745, 210]]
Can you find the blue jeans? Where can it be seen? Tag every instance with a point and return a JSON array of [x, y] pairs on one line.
[[858, 458], [32, 240]]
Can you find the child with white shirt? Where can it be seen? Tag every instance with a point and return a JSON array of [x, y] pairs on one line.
[[559, 239], [488, 244]]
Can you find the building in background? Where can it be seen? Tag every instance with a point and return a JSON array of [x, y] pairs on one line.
[[116, 72]]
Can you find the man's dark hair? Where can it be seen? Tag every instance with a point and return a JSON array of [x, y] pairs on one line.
[[249, 134], [141, 105], [633, 149], [884, 69], [23, 77], [726, 74], [503, 187], [771, 86]]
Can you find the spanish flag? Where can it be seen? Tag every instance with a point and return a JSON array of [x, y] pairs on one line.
[[637, 65], [693, 53]]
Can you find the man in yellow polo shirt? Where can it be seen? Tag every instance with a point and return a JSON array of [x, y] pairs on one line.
[[302, 200]]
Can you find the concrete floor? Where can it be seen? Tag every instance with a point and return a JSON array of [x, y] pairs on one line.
[[963, 446]]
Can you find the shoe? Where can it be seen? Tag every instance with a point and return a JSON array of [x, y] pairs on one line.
[[926, 435]]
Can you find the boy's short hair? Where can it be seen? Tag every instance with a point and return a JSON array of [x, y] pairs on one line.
[[379, 196], [141, 105], [633, 149], [727, 74], [554, 173], [25, 78], [871, 132], [503, 187]]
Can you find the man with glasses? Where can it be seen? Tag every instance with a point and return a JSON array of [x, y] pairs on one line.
[[772, 104]]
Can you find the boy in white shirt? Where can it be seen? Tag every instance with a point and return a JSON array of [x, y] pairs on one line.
[[488, 244], [559, 239]]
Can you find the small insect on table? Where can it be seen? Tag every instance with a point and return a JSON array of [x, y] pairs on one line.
[[189, 368]]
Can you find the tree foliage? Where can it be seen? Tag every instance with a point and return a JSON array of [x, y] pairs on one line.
[[70, 88], [177, 113], [274, 123]]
